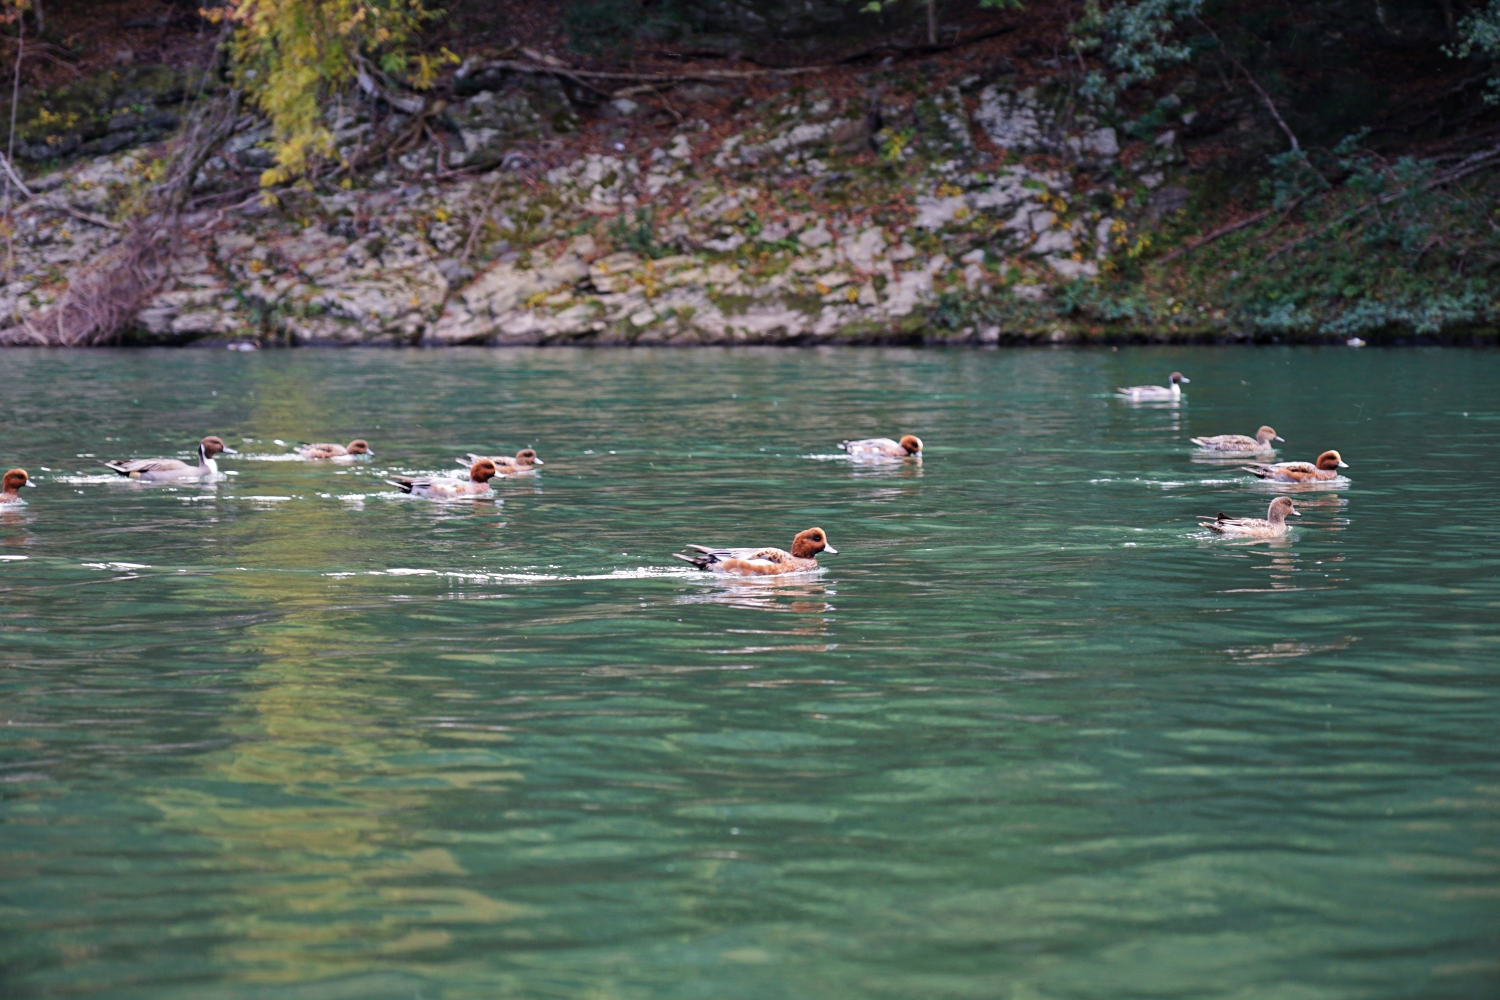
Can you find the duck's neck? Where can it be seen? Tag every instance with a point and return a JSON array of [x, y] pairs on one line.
[[206, 464]]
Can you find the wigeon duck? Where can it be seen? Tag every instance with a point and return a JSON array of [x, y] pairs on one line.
[[160, 470], [434, 488], [525, 461], [318, 452], [909, 446], [1172, 390], [10, 486], [1273, 525], [1325, 468], [1239, 443], [764, 562]]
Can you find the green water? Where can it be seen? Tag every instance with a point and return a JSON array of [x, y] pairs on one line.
[[1029, 735]]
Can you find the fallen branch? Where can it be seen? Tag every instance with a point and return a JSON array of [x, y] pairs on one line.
[[922, 50], [562, 69], [1265, 97], [103, 301], [479, 222], [60, 205], [393, 141], [1232, 227], [1469, 166]]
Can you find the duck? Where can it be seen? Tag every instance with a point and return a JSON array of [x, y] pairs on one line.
[[910, 446], [1325, 468], [1172, 390], [160, 470], [318, 452], [1239, 443], [1273, 525], [10, 486], [525, 461], [763, 562], [435, 488]]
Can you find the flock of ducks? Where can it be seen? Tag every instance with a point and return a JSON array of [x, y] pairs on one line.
[[1324, 469], [770, 561]]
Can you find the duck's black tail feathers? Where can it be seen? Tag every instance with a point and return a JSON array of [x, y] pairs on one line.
[[404, 485]]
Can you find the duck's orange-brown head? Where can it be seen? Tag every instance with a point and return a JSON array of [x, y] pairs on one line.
[[1179, 379], [1267, 433], [1331, 460], [359, 446], [483, 471], [809, 543], [14, 480], [1282, 508], [527, 456], [911, 444], [213, 445]]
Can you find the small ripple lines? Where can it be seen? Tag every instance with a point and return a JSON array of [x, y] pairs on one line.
[[294, 732]]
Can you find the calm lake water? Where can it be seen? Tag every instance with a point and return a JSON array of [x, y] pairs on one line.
[[1030, 734]]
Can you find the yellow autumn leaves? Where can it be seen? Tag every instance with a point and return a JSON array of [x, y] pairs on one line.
[[291, 57]]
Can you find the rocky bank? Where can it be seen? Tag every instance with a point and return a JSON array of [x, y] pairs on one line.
[[803, 217]]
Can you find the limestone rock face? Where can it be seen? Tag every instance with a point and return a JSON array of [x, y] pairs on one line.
[[1026, 121], [525, 106]]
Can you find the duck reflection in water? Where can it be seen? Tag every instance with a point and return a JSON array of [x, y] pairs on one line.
[[799, 597], [1290, 650], [886, 470]]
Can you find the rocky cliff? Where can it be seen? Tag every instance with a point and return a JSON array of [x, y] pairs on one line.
[[970, 199]]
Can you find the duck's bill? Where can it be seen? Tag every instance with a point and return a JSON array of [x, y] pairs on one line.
[[1184, 380], [1343, 465], [230, 451], [1279, 438], [31, 484], [1296, 512], [830, 550], [537, 461]]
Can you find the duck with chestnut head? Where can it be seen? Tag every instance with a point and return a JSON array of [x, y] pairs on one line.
[[908, 448], [322, 451], [437, 488], [749, 562], [162, 470], [10, 486], [525, 460], [1172, 390], [1325, 468], [1273, 525]]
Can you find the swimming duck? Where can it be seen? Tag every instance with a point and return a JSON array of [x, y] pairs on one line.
[[1273, 525], [160, 470], [764, 562], [1325, 468], [317, 452], [1239, 443], [910, 446], [525, 461], [10, 486], [434, 488], [1172, 390]]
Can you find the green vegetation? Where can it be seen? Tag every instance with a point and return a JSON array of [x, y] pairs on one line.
[[292, 56]]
